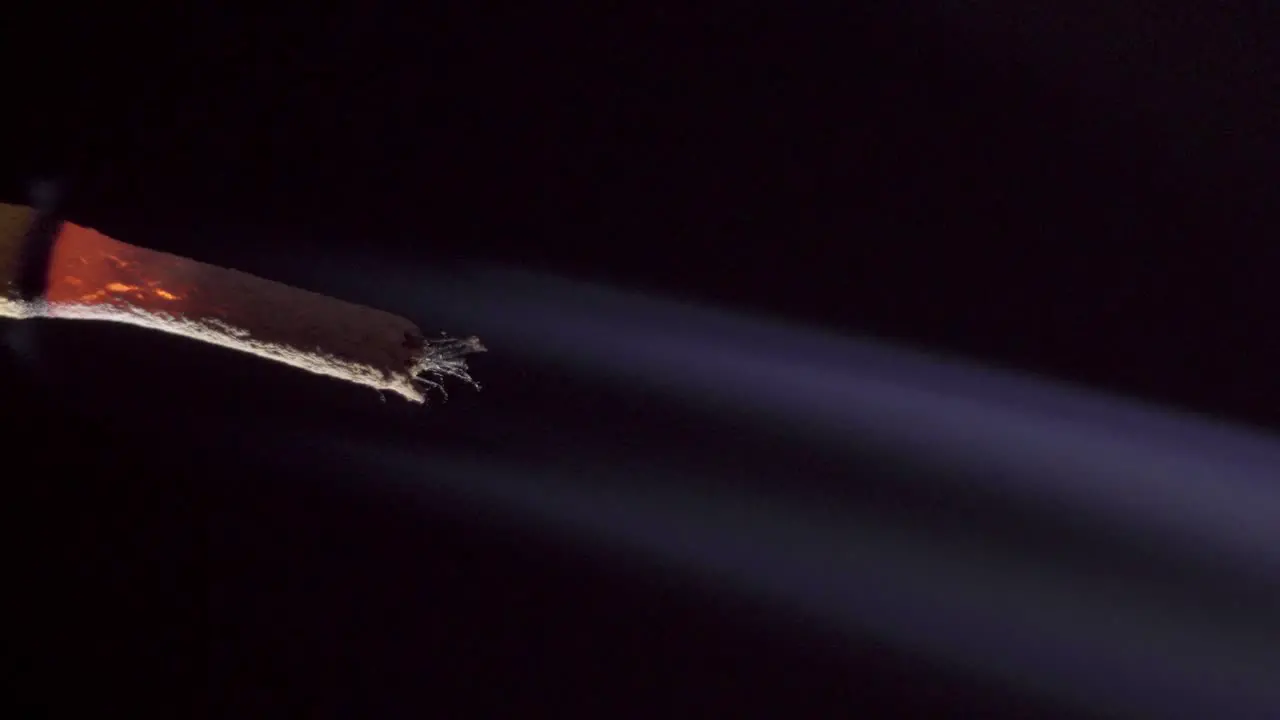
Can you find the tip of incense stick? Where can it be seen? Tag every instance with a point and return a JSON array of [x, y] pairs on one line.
[[441, 358]]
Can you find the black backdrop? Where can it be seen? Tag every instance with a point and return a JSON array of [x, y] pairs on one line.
[[1087, 194]]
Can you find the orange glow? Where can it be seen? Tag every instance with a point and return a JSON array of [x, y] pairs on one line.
[[95, 277], [88, 267]]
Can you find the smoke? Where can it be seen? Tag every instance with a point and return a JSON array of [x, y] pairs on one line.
[[1168, 606], [1204, 486], [1095, 643]]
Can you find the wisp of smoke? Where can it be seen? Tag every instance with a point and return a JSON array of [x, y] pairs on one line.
[[1196, 490]]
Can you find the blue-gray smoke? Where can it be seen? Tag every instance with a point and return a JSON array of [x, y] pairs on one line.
[[1186, 491]]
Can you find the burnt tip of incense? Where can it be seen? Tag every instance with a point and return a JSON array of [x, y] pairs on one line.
[[437, 358], [442, 348]]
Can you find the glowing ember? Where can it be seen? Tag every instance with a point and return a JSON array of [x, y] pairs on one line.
[[92, 276]]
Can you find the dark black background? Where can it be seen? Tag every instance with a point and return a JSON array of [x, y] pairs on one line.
[[1087, 192]]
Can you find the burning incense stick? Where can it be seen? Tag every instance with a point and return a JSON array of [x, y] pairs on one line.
[[81, 273]]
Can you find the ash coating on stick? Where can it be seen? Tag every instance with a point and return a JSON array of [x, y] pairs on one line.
[[440, 357]]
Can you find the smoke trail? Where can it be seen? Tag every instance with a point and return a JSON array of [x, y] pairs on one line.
[[1189, 491], [1205, 487], [1098, 646]]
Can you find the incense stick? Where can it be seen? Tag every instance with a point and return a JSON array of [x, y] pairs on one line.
[[90, 276]]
